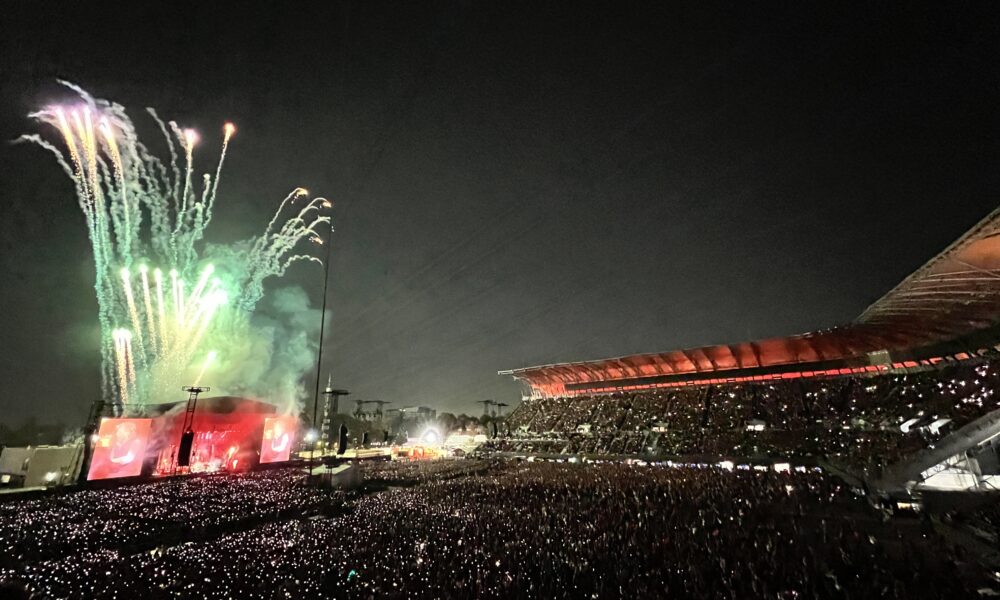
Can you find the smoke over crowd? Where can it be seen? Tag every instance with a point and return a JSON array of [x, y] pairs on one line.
[[271, 358]]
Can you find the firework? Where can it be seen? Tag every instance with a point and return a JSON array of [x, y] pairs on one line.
[[144, 213]]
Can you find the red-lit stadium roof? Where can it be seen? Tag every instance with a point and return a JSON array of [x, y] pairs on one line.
[[948, 308], [956, 292]]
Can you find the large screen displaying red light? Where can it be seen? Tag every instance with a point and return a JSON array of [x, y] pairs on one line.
[[119, 449], [279, 433]]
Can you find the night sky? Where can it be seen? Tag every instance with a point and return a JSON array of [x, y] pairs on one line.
[[518, 184]]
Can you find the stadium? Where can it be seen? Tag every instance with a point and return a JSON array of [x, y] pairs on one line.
[[902, 398], [797, 445], [691, 219]]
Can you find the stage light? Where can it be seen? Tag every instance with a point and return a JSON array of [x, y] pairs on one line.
[[311, 435], [431, 436]]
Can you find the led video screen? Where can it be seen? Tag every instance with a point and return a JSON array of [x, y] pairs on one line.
[[278, 436], [119, 449]]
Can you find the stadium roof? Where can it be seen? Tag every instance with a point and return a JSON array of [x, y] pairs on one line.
[[956, 292], [948, 308]]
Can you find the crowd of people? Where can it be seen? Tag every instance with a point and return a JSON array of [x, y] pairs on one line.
[[505, 528], [134, 518], [407, 472], [518, 530], [864, 423], [984, 521]]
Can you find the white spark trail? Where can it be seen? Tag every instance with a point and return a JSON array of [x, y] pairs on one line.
[[139, 209]]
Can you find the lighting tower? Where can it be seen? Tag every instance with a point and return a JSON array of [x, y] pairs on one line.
[[187, 433], [331, 408], [192, 402], [378, 409], [322, 329], [359, 412]]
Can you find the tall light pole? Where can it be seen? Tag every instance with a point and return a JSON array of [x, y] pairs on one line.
[[319, 358]]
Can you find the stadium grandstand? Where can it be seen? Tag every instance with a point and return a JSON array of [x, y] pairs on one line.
[[903, 396]]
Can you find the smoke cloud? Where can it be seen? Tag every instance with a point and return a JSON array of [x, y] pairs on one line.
[[271, 356]]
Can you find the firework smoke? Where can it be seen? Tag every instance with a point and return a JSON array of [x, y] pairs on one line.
[[146, 215]]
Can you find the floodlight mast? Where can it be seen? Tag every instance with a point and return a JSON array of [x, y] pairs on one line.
[[192, 402], [319, 357], [331, 408], [377, 413]]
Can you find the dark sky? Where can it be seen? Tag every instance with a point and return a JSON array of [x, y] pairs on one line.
[[518, 184]]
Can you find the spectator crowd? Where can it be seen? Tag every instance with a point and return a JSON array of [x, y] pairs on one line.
[[134, 518], [863, 423], [492, 528], [482, 529]]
